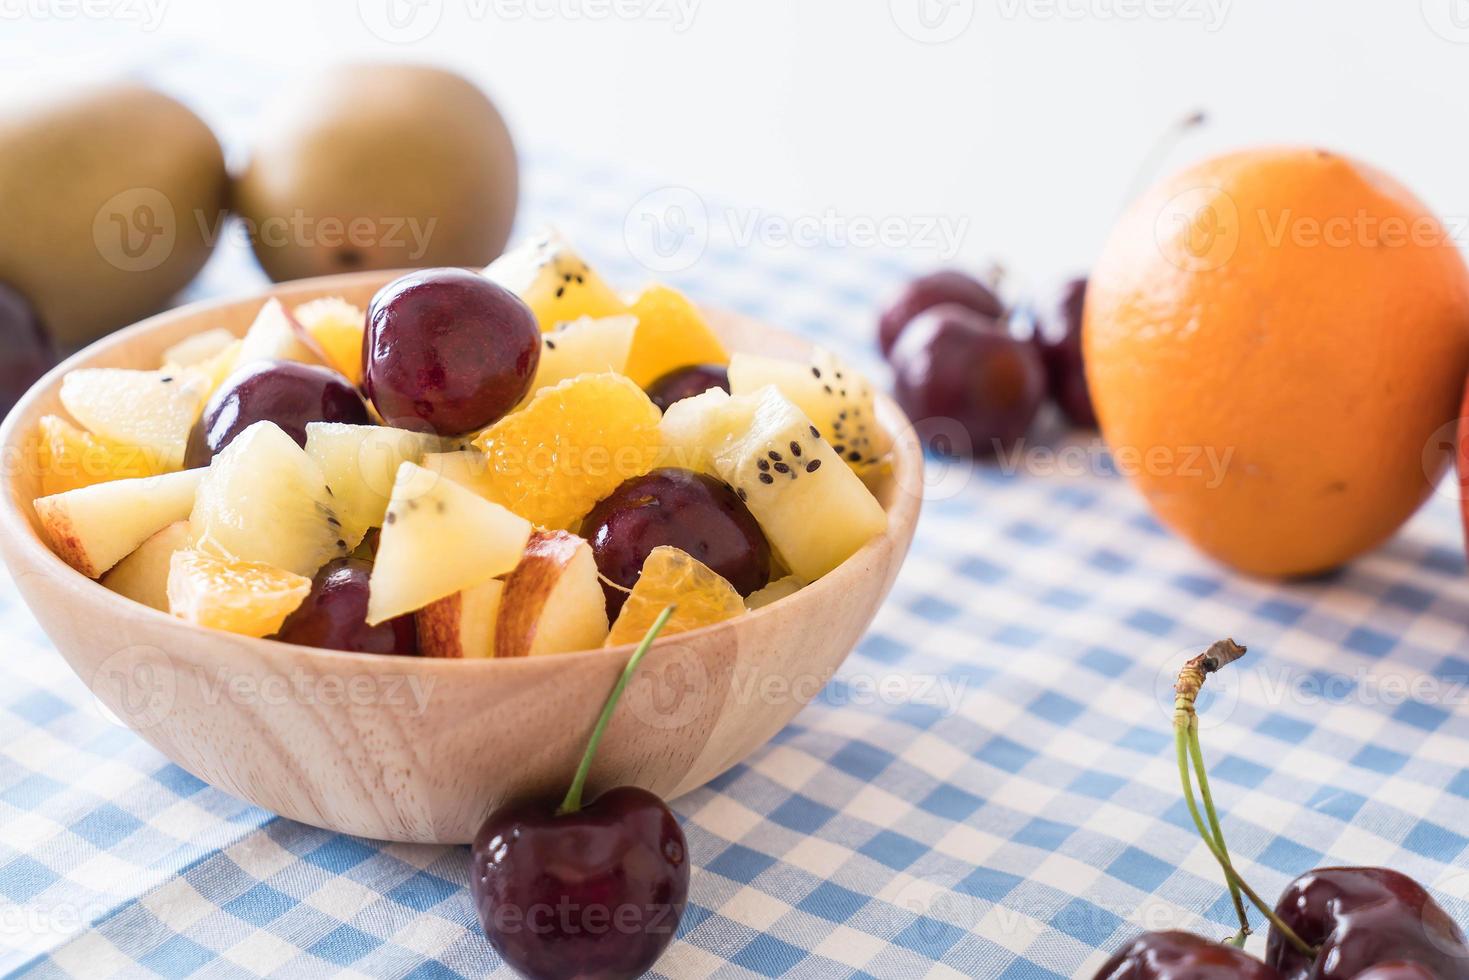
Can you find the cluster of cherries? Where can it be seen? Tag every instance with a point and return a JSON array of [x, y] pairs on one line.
[[959, 355], [1329, 924]]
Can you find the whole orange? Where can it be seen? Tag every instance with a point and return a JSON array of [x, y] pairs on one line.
[[1275, 340]]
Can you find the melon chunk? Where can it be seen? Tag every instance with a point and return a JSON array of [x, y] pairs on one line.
[[265, 500], [360, 463], [814, 510], [143, 575], [153, 410], [96, 527], [438, 539]]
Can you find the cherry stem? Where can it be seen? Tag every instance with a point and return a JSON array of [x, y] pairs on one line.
[[1186, 728], [1166, 141], [1212, 835], [572, 802]]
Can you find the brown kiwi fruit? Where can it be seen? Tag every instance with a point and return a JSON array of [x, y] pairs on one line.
[[113, 198], [379, 167]]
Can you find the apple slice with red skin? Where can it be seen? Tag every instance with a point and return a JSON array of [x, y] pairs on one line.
[[462, 625], [553, 601]]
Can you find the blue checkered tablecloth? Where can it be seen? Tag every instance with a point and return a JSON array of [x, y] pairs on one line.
[[986, 789]]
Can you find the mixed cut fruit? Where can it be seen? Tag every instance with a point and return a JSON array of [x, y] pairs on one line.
[[512, 462]]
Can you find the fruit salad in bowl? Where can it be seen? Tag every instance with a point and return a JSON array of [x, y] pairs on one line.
[[377, 475]]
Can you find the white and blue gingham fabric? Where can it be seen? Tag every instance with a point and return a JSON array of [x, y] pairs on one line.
[[986, 788]]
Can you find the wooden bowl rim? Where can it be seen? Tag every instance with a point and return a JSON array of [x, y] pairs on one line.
[[32, 552]]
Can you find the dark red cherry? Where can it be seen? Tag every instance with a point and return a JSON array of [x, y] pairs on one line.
[[594, 893], [284, 392], [1182, 956], [26, 351], [448, 348], [1058, 335], [686, 382], [962, 378], [1362, 918], [926, 292], [1397, 970], [690, 511], [334, 615]]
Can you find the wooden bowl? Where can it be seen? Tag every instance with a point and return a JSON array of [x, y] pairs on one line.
[[420, 750]]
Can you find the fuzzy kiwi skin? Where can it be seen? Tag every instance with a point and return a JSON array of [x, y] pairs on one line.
[[81, 170], [417, 159]]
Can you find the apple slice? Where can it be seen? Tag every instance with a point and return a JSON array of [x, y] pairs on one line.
[[276, 335], [553, 601], [360, 463], [584, 346], [143, 575], [438, 539], [461, 625], [779, 589], [96, 527], [199, 349], [153, 410]]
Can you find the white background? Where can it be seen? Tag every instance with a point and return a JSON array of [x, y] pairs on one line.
[[1024, 127]]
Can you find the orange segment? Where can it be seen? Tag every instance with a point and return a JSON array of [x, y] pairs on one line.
[[70, 459], [671, 577], [337, 326], [572, 445], [671, 333], [245, 597]]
